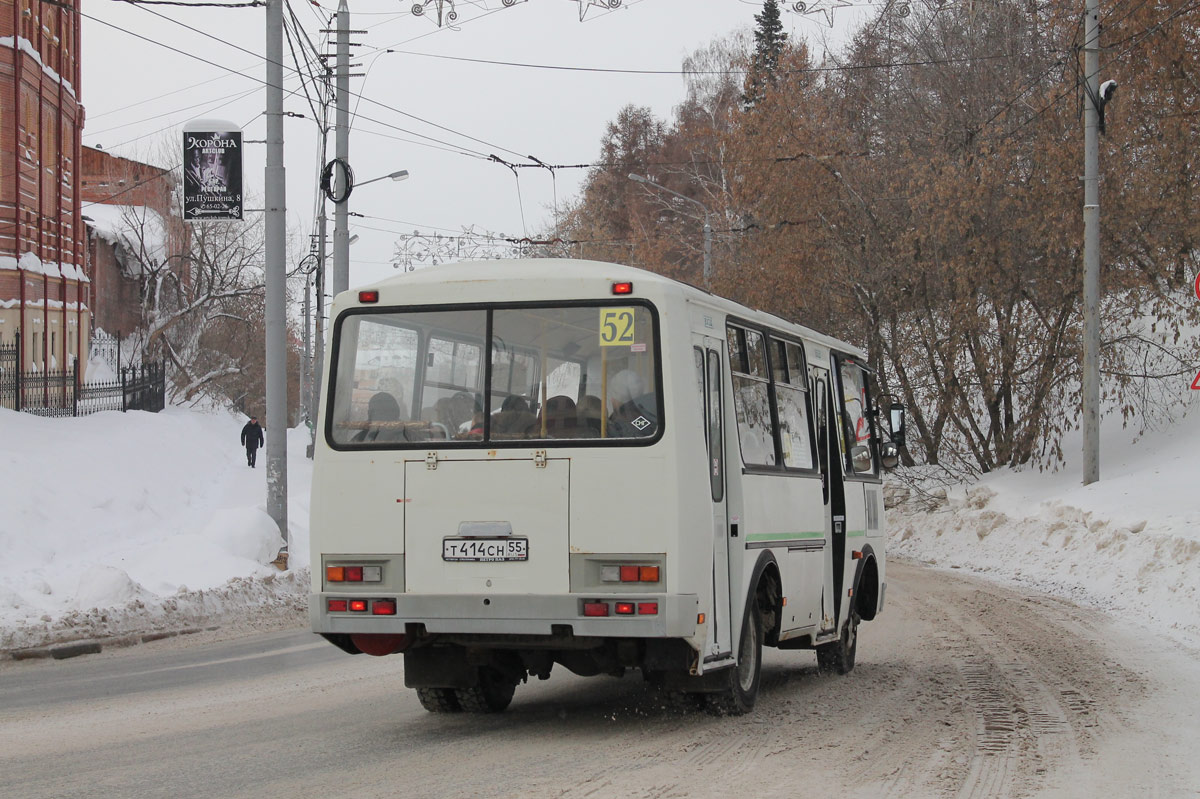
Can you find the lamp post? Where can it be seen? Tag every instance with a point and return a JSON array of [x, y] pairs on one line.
[[306, 365], [707, 225], [341, 232]]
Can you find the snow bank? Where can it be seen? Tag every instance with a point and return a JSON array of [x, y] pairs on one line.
[[118, 523], [1129, 543]]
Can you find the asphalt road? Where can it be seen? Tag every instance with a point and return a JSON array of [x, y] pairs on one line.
[[963, 689]]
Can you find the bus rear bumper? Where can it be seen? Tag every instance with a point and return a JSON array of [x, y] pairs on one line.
[[674, 616]]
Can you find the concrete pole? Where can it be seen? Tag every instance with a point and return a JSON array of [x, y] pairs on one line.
[[707, 251], [341, 220], [306, 363], [319, 355], [276, 275], [1091, 247]]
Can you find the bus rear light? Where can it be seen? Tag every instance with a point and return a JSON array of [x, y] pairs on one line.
[[648, 574], [368, 296], [647, 608], [624, 608], [336, 606], [383, 607], [358, 605], [610, 574], [629, 574], [595, 608], [372, 574], [335, 574], [354, 574], [622, 288]]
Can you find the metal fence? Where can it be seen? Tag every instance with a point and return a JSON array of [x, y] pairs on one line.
[[59, 392]]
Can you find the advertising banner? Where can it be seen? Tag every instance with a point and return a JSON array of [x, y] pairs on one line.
[[212, 172]]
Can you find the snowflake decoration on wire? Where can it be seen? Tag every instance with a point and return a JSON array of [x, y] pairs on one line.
[[900, 9], [418, 10], [584, 5]]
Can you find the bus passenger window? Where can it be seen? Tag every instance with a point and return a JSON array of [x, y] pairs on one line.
[[860, 451], [751, 400]]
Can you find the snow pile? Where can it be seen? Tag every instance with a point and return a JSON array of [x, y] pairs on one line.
[[122, 523], [1129, 544]]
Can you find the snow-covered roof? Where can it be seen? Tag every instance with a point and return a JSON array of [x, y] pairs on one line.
[[138, 230]]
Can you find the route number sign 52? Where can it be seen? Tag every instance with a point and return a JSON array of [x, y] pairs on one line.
[[616, 327]]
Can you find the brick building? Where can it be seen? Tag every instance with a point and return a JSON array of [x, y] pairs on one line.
[[44, 289], [127, 210]]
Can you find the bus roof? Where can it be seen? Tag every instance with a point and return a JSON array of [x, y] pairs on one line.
[[555, 276]]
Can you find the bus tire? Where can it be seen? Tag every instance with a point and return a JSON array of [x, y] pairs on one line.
[[839, 655], [439, 700], [738, 697], [491, 693]]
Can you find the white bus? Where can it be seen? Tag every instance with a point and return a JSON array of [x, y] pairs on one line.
[[537, 462]]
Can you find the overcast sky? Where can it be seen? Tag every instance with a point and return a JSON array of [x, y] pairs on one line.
[[137, 94]]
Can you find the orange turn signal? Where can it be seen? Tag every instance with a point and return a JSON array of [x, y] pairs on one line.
[[335, 574], [648, 574]]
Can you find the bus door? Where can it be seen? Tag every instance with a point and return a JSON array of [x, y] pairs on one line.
[[829, 461], [707, 354]]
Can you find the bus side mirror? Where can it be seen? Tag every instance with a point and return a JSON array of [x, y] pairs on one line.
[[889, 455], [896, 417]]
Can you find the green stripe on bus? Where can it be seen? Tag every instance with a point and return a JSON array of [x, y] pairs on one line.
[[782, 536], [857, 534]]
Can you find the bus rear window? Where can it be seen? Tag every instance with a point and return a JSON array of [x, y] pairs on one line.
[[574, 372]]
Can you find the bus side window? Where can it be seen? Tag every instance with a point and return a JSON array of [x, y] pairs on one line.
[[859, 450]]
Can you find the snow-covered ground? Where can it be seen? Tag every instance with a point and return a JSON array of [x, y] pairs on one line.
[[1128, 544], [132, 523]]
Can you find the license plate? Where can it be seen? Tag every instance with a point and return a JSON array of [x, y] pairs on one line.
[[485, 550]]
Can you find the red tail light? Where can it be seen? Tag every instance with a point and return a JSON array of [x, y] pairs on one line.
[[622, 288], [595, 609], [368, 296], [358, 605], [629, 574], [624, 608], [336, 605], [383, 607], [647, 608], [354, 574]]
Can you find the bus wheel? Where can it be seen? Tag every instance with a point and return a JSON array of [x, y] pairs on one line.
[[839, 655], [738, 697], [438, 700], [490, 694]]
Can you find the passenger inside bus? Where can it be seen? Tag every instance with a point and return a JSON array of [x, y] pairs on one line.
[[514, 419], [382, 407]]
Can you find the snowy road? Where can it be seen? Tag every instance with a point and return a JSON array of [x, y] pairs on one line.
[[963, 689]]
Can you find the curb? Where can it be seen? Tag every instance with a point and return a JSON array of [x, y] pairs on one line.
[[96, 645]]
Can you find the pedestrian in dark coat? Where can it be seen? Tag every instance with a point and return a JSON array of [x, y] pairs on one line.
[[252, 439]]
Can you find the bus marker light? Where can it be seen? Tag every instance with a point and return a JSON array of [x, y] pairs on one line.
[[372, 574], [647, 608], [368, 296], [358, 605], [610, 574], [595, 608], [624, 608], [856, 555], [785, 602], [383, 607], [622, 288], [336, 605], [335, 574], [850, 592], [700, 618], [354, 574], [629, 574], [648, 574]]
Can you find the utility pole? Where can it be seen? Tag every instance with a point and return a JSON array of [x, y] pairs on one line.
[[341, 220], [276, 275], [1091, 245]]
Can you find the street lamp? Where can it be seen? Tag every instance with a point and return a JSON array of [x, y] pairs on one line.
[[341, 232], [707, 224], [397, 176], [313, 264]]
